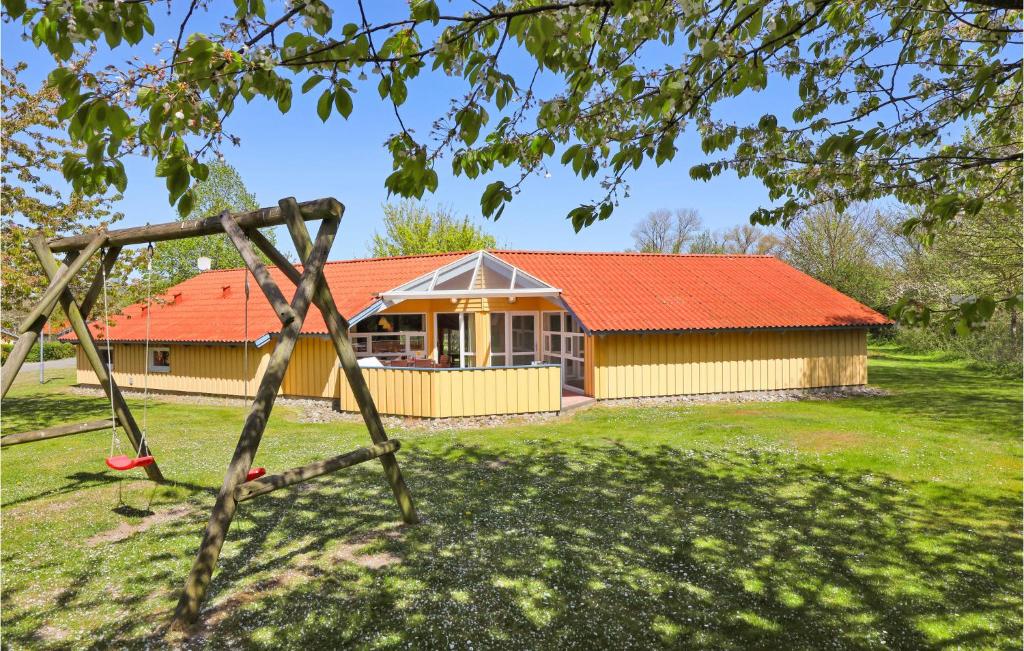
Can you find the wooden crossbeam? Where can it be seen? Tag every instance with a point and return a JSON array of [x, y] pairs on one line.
[[269, 483], [56, 432], [262, 218]]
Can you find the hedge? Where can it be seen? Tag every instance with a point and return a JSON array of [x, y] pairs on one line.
[[52, 350]]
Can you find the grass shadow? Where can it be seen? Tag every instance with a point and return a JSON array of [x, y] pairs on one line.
[[603, 546]]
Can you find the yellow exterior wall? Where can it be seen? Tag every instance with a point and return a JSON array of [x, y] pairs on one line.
[[215, 369], [430, 393], [629, 366], [313, 370]]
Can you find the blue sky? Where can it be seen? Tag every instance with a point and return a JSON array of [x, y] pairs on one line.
[[297, 155]]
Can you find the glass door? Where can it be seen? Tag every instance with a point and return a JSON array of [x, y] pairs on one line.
[[456, 339], [449, 340], [523, 329]]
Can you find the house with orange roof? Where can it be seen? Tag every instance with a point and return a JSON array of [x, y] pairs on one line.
[[505, 332]]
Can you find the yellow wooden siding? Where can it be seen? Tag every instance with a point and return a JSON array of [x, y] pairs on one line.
[[627, 366], [194, 369], [313, 369], [430, 393]]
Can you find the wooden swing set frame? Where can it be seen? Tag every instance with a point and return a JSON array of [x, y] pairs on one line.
[[310, 288]]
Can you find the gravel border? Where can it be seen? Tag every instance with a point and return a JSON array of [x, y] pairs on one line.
[[308, 410]]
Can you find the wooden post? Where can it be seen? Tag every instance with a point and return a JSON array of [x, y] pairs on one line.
[[59, 282], [96, 288], [252, 432], [264, 485], [259, 270], [56, 432], [16, 358], [338, 329], [85, 340]]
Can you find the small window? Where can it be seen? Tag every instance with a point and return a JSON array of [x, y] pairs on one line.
[[391, 323], [107, 357], [160, 360]]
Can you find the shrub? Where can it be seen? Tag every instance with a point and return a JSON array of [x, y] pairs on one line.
[[51, 350], [992, 347]]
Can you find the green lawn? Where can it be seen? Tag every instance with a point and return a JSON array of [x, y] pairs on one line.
[[890, 522]]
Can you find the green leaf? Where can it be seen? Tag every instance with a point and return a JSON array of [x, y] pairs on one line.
[[323, 106], [398, 90], [311, 83], [343, 102], [15, 8]]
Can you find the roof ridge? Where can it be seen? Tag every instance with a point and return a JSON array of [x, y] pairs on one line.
[[355, 260], [636, 253]]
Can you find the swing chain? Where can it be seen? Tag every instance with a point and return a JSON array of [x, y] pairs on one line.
[[115, 442], [145, 376]]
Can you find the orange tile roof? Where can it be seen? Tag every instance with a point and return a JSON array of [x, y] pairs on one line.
[[607, 292], [647, 292]]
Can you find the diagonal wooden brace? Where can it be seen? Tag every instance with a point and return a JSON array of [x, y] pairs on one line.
[[258, 269], [59, 282], [19, 353], [338, 329], [252, 432], [88, 345]]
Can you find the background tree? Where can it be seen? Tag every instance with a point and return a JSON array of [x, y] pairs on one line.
[[707, 242], [223, 189], [661, 231], [32, 148], [410, 228], [747, 239], [839, 249]]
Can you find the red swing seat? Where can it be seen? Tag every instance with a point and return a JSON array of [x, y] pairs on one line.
[[122, 462], [255, 473]]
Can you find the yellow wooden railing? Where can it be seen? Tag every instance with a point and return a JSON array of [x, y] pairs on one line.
[[446, 393]]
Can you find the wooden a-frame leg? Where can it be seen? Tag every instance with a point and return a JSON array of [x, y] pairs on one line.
[[19, 353], [337, 327], [252, 432], [88, 344]]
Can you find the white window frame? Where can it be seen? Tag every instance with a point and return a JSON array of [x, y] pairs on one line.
[[565, 335], [463, 354], [505, 335], [408, 350], [536, 336], [155, 368]]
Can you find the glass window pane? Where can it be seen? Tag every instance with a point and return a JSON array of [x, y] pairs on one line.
[[469, 328], [359, 344], [499, 360], [384, 344], [410, 323], [555, 343], [497, 332], [391, 323], [160, 359], [523, 333], [522, 359], [417, 344], [553, 321]]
